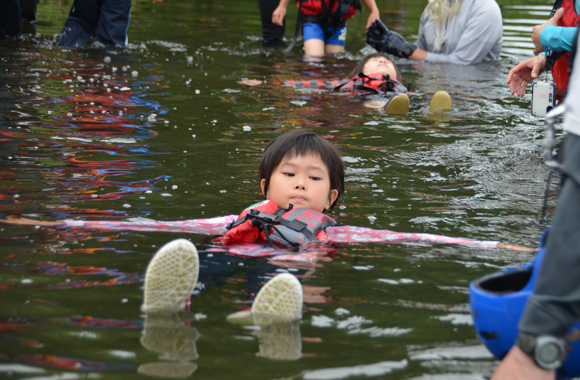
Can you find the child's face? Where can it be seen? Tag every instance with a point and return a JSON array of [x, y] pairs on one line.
[[302, 181], [380, 65]]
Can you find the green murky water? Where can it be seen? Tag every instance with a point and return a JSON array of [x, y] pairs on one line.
[[71, 147]]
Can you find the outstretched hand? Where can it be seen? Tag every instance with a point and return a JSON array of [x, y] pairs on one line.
[[30, 222], [519, 366], [537, 30], [524, 73], [250, 82], [516, 247]]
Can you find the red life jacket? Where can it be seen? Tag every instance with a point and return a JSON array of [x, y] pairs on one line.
[[346, 8], [358, 84], [561, 69], [265, 221], [371, 83]]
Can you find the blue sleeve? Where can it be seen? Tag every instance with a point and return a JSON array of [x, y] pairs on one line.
[[558, 38]]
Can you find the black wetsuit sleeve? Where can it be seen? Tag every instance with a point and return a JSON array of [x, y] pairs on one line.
[[552, 58]]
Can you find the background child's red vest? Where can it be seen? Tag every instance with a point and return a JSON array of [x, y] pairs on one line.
[[561, 69], [314, 7]]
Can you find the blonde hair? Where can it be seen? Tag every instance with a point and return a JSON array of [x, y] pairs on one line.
[[439, 12]]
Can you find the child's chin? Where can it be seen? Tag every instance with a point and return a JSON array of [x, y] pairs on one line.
[[298, 205]]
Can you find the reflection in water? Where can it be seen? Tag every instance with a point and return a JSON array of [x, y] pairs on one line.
[[174, 339], [94, 113], [280, 341], [368, 370]]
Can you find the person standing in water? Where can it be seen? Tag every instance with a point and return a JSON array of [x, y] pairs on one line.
[[555, 304], [553, 41], [105, 20], [453, 31], [324, 23]]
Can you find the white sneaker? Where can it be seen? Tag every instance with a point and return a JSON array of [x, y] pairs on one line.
[[279, 301], [171, 276]]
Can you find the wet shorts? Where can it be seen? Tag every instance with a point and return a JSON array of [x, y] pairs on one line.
[[312, 30]]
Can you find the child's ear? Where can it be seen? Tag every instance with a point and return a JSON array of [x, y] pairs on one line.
[[263, 186], [331, 198]]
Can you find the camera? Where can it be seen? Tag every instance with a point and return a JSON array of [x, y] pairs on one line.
[[543, 98]]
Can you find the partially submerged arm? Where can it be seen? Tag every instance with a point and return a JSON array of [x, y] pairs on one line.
[[352, 234], [211, 226], [31, 222]]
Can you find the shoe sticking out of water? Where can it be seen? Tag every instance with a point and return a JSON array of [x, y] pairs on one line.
[[441, 101], [279, 301], [397, 105], [171, 276]]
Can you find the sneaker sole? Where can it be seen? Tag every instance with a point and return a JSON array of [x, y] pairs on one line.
[[171, 276], [280, 300], [441, 101], [398, 104]]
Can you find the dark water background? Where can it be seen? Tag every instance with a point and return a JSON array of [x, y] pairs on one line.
[[70, 149]]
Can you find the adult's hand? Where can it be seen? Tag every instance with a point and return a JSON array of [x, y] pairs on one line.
[[374, 16], [519, 366], [524, 73], [537, 30], [278, 15]]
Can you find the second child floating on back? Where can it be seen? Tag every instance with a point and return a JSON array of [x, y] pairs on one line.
[[375, 74]]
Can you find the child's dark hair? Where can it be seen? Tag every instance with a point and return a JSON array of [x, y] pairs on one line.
[[361, 65], [300, 143]]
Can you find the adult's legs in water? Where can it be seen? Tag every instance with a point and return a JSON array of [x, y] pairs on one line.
[[28, 11], [81, 24], [10, 24], [271, 33], [114, 22]]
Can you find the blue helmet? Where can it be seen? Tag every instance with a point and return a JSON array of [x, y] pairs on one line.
[[497, 302]]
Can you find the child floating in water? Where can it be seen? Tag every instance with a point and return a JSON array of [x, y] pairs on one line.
[[301, 178], [375, 74]]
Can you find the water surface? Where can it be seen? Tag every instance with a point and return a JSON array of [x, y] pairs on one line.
[[153, 135]]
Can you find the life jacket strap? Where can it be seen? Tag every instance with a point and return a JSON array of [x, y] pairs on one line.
[[276, 219]]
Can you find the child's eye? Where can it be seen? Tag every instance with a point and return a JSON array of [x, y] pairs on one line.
[[288, 174], [315, 178]]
